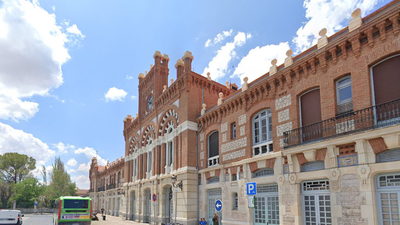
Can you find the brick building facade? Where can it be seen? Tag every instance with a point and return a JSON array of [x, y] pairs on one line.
[[319, 134]]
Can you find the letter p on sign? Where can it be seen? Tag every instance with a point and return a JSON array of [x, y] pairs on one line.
[[251, 188]]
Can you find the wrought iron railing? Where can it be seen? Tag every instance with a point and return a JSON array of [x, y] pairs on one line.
[[378, 116], [110, 186], [100, 188]]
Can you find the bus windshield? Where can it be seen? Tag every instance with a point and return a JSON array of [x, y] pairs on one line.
[[76, 204]]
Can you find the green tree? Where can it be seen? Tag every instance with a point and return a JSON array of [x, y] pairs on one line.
[[26, 192], [60, 184], [14, 167]]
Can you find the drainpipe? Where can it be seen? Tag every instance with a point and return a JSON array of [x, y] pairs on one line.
[[197, 168]]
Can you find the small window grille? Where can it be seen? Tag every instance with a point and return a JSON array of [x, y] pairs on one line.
[[263, 172], [389, 156], [389, 180], [267, 188], [317, 185], [215, 192], [313, 166], [213, 180]]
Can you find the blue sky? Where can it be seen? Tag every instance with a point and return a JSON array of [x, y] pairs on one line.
[[69, 68]]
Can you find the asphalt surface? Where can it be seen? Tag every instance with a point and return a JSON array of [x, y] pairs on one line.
[[47, 219]]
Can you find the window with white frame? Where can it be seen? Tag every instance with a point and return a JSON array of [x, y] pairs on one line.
[[263, 172], [388, 198], [316, 202], [213, 149], [262, 132], [235, 201], [344, 95]]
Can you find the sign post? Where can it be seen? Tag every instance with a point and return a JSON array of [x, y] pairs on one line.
[[154, 206], [251, 190], [218, 205]]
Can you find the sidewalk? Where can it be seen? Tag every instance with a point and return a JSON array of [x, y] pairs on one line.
[[111, 220]]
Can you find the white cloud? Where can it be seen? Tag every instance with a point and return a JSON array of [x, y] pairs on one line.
[[115, 94], [13, 140], [133, 97], [219, 64], [71, 171], [72, 162], [63, 148], [129, 77], [258, 61], [75, 30], [90, 153], [32, 51], [84, 167], [82, 181], [220, 37], [53, 8], [327, 14]]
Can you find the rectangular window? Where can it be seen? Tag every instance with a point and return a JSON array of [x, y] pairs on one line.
[[134, 168], [233, 127], [170, 152], [235, 201], [234, 177], [149, 161], [344, 95]]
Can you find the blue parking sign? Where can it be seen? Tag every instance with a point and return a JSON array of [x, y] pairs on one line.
[[251, 188]]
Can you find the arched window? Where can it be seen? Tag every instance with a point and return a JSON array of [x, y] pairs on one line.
[[213, 149], [262, 132], [313, 166], [263, 172], [388, 156]]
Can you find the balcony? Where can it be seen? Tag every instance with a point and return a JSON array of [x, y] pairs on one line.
[[100, 189], [374, 117], [110, 186]]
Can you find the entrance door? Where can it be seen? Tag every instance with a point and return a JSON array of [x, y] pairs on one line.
[[133, 206], [266, 210], [388, 198], [147, 206], [316, 203], [213, 196], [169, 205]]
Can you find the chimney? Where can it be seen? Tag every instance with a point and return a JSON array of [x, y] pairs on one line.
[[179, 68], [188, 58], [157, 58]]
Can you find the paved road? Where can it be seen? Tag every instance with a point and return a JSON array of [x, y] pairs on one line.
[[47, 219]]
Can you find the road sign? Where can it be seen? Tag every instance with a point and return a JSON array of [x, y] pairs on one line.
[[218, 205], [251, 188], [250, 200], [36, 203], [154, 197]]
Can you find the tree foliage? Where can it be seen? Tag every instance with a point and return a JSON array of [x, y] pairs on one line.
[[26, 192], [60, 184], [14, 167]]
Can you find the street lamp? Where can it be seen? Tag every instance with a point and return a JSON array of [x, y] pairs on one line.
[[176, 186]]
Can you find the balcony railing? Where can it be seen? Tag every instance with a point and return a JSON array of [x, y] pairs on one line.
[[378, 116], [110, 186], [100, 188], [91, 190]]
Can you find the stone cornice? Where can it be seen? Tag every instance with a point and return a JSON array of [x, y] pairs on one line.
[[340, 44]]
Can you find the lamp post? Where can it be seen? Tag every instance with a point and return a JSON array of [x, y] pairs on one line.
[[176, 186]]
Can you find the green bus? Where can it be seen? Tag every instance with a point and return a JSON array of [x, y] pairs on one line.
[[73, 210]]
